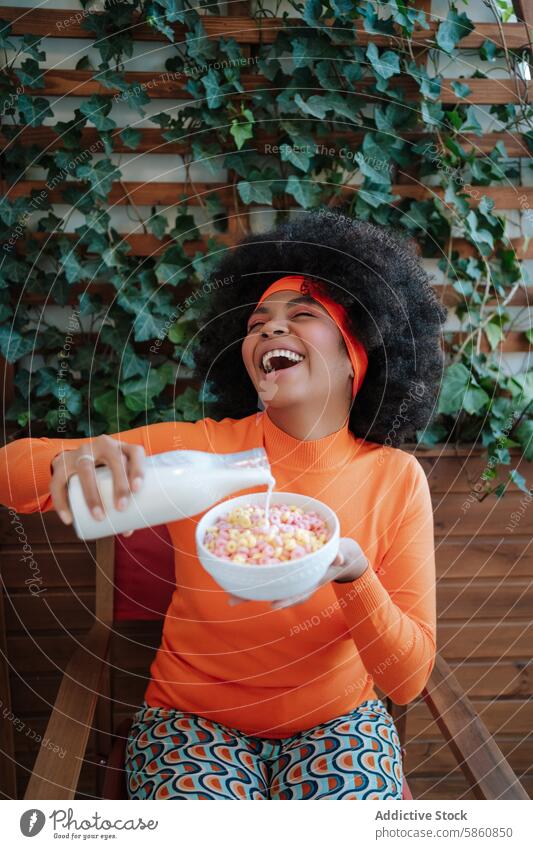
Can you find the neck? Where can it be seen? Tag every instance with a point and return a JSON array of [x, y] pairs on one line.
[[306, 424]]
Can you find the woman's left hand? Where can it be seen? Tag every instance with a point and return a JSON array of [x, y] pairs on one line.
[[349, 564]]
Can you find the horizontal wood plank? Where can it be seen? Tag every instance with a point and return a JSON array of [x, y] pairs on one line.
[[454, 515], [444, 787], [461, 474], [152, 140], [434, 757], [458, 602], [108, 292], [172, 194], [50, 610], [162, 86], [506, 717], [65, 23], [494, 640], [147, 245], [69, 568]]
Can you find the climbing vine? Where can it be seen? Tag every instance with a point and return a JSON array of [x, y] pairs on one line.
[[298, 138]]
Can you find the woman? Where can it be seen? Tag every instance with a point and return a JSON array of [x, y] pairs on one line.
[[333, 324]]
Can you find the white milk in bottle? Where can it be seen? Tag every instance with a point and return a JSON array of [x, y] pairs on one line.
[[177, 484]]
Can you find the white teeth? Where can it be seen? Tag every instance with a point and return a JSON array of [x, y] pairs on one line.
[[280, 352]]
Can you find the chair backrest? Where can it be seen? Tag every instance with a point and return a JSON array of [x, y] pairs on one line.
[[136, 580]]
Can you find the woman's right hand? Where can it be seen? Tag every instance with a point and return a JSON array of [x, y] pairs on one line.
[[125, 461]]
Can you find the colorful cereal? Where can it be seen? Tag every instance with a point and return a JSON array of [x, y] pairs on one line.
[[243, 537]]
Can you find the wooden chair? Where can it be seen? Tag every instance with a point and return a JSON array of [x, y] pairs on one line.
[[78, 707]]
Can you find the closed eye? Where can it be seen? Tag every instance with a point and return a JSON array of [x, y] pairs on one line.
[[256, 323]]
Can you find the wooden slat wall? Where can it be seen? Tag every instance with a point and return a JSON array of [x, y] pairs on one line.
[[485, 632], [249, 33], [484, 575]]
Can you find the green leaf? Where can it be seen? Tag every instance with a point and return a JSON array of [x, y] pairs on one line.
[[30, 44], [311, 12], [452, 30], [30, 74], [519, 480], [215, 95], [376, 199], [96, 109], [494, 332], [188, 405], [34, 109], [524, 435], [429, 86], [317, 106], [385, 65], [461, 391], [75, 272], [140, 392], [101, 175], [306, 192], [13, 345], [210, 155], [171, 268], [343, 8], [432, 435], [147, 326], [461, 89], [257, 192], [471, 124], [181, 331], [432, 113], [299, 158], [5, 32], [242, 131], [132, 365], [488, 51], [157, 224], [113, 409], [481, 237], [377, 174], [185, 229], [130, 137]]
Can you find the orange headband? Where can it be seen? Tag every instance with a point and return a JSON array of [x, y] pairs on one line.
[[356, 351]]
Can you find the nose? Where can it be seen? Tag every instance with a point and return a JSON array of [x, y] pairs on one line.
[[277, 332], [272, 327]]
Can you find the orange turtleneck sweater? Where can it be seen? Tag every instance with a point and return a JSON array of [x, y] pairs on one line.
[[269, 672]]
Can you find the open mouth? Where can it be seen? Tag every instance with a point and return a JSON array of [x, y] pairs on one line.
[[280, 359]]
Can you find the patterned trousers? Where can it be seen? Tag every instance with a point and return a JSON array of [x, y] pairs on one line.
[[171, 754]]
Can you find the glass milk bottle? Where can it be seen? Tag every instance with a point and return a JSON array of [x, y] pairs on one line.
[[177, 484]]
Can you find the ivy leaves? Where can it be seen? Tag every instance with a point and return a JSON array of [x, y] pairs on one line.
[[453, 29], [242, 127], [309, 98], [385, 65], [460, 390]]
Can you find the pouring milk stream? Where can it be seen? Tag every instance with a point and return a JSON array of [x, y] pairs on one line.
[[177, 484]]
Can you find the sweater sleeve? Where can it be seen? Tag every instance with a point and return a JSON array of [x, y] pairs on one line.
[[25, 464], [391, 612]]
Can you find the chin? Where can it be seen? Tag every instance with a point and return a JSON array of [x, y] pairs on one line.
[[284, 398]]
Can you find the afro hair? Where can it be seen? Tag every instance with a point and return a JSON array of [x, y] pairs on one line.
[[376, 274]]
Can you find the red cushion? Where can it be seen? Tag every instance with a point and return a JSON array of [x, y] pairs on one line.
[[144, 574]]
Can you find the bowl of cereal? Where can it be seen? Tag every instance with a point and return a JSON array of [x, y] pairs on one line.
[[263, 561]]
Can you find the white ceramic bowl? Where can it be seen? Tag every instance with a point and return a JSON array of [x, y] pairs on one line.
[[278, 580]]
